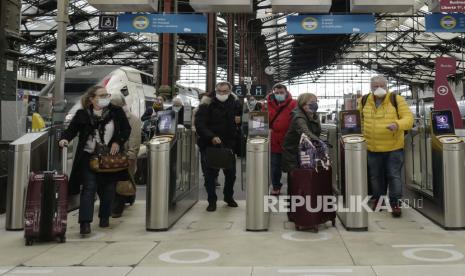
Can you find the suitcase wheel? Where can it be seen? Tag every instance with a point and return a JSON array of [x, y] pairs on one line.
[[62, 239], [29, 242]]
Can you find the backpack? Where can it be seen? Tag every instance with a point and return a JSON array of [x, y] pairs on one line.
[[392, 98]]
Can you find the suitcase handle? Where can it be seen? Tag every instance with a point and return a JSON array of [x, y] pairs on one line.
[[64, 159]]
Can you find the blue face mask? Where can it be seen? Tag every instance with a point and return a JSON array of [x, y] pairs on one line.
[[280, 97], [313, 107]]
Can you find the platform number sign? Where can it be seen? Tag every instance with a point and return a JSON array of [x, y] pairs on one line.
[[108, 22], [239, 90], [258, 91]]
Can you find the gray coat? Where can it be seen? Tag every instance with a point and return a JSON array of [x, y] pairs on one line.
[[301, 123]]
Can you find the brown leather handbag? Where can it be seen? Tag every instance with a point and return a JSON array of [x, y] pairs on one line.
[[104, 162]]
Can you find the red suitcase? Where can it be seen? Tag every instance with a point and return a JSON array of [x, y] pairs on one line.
[[308, 182], [46, 210]]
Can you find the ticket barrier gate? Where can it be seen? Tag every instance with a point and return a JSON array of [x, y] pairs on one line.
[[434, 170], [257, 172], [173, 174], [352, 161]]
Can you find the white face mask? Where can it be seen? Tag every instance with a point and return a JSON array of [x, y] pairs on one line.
[[222, 98], [380, 92], [103, 102]]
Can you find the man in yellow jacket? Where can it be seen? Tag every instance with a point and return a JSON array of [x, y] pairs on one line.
[[385, 117]]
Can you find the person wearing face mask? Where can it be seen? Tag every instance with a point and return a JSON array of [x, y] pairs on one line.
[[216, 122], [97, 123], [385, 116], [131, 147], [178, 107], [152, 110], [280, 106], [253, 104], [304, 120]]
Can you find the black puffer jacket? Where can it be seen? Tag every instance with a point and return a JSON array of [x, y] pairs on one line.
[[81, 124], [216, 119]]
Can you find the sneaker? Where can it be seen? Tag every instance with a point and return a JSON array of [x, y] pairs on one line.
[[104, 222], [211, 207], [275, 192], [231, 202], [85, 228]]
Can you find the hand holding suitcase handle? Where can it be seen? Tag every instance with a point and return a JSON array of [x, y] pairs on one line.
[[216, 141]]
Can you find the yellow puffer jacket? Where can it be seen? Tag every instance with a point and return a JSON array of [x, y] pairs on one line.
[[375, 121]]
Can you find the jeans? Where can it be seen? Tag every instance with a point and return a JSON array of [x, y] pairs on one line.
[[93, 183], [384, 171], [276, 167], [211, 176]]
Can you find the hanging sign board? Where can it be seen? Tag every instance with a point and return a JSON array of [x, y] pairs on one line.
[[301, 6], [229, 6], [444, 98], [443, 23], [452, 5], [331, 24], [239, 90], [380, 6], [163, 23], [125, 5]]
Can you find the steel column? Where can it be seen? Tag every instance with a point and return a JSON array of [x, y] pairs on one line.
[[212, 53], [166, 79], [231, 48]]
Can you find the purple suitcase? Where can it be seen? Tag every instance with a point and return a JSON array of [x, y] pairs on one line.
[[46, 210], [309, 182]]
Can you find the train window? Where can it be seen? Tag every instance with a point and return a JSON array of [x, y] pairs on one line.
[[134, 77], [147, 80], [125, 91]]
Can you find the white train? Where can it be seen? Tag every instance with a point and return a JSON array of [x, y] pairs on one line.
[[135, 85]]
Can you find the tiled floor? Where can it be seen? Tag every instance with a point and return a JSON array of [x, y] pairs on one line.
[[204, 243]]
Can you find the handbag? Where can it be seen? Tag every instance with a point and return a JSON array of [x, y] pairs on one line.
[[126, 188], [220, 158], [104, 162], [313, 154]]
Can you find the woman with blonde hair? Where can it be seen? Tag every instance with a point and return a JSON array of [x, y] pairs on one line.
[[98, 124]]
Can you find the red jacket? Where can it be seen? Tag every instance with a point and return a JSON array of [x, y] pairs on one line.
[[282, 122]]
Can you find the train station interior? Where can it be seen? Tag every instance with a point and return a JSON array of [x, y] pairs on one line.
[[159, 68]]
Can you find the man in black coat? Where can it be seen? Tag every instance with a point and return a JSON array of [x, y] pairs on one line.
[[216, 121]]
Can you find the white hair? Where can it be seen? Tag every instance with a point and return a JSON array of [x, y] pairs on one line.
[[177, 100], [379, 79]]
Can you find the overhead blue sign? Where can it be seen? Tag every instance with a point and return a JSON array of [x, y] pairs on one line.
[[163, 23], [443, 23], [331, 24]]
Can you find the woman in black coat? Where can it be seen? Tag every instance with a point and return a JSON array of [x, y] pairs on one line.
[[98, 122]]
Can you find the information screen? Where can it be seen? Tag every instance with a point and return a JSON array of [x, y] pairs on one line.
[[350, 122], [258, 124], [442, 122], [166, 122]]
